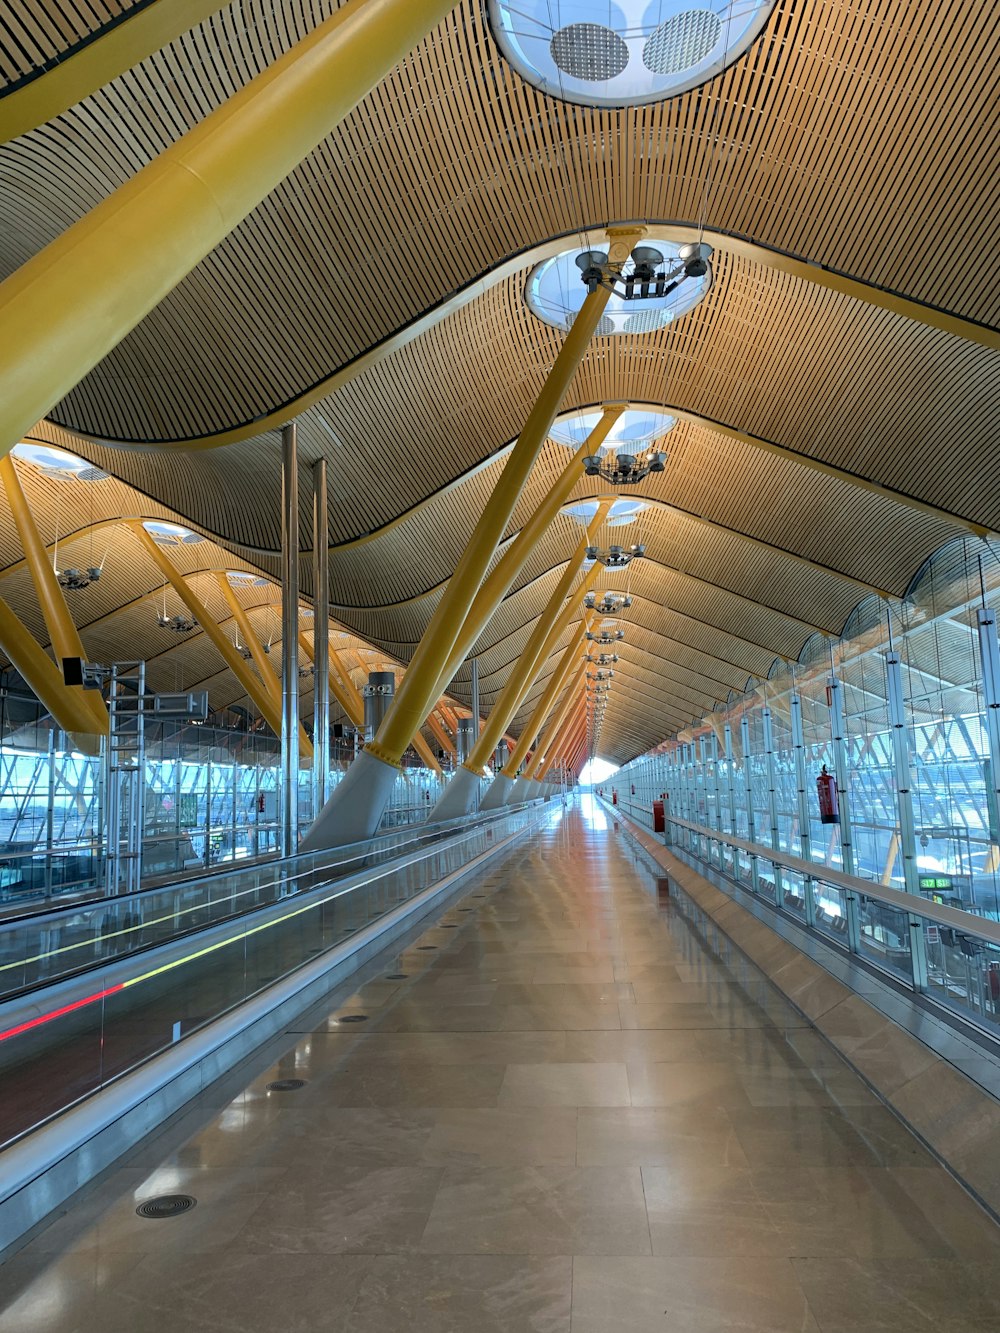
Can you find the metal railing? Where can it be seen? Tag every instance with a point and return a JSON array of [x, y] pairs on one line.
[[66, 1040], [67, 939], [948, 955]]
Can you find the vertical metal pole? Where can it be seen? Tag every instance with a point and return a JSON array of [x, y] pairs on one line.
[[772, 799], [904, 805], [727, 733], [989, 659], [289, 641], [748, 797], [50, 810], [321, 637], [802, 799], [835, 695]]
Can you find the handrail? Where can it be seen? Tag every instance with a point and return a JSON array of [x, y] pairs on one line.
[[940, 914]]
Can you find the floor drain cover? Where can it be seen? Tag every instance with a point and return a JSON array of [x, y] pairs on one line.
[[452, 926], [426, 946], [353, 1018], [286, 1085], [396, 976], [166, 1205]]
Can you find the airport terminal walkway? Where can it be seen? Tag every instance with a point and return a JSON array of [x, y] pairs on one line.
[[568, 1114]]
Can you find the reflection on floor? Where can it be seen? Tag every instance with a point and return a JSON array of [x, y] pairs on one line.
[[567, 1115]]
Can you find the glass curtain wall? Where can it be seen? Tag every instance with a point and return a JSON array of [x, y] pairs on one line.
[[897, 711]]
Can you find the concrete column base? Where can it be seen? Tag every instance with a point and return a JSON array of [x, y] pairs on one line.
[[355, 810], [457, 799], [524, 789], [498, 793]]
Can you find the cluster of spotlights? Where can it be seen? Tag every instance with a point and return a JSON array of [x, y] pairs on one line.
[[602, 659], [615, 557], [610, 603], [649, 277], [606, 636], [75, 580], [176, 624]]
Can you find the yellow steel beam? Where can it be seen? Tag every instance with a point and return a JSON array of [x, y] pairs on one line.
[[63, 634], [442, 737], [521, 549], [544, 706], [426, 753], [348, 698], [572, 696], [248, 682], [418, 690], [69, 305], [542, 642], [80, 72], [66, 704], [268, 675], [564, 733]]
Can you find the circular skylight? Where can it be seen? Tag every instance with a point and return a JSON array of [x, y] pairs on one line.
[[636, 428], [615, 54], [57, 462], [171, 534], [243, 577], [555, 290], [622, 512]]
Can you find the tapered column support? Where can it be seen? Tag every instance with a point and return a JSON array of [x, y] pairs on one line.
[[63, 634], [342, 817], [289, 640], [67, 307], [248, 682], [45, 680], [321, 636], [566, 734]]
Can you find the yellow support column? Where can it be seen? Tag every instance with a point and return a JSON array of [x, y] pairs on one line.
[[69, 305], [265, 669], [572, 695], [63, 634], [555, 687], [426, 753], [251, 686], [558, 732], [520, 551], [461, 793], [356, 807], [45, 680], [441, 736], [348, 697]]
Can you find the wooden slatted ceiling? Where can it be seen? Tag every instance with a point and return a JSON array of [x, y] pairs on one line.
[[843, 136], [34, 37]]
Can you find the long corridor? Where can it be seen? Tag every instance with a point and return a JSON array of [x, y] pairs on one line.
[[556, 1109]]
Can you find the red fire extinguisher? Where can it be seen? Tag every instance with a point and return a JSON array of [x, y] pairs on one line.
[[633, 788], [614, 796], [826, 788], [261, 803]]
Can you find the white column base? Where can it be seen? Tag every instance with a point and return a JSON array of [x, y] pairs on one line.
[[498, 793], [458, 798], [355, 810], [524, 789]]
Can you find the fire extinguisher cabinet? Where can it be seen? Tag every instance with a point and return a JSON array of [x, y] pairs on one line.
[[659, 818]]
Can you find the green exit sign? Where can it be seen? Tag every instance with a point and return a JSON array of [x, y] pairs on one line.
[[935, 882]]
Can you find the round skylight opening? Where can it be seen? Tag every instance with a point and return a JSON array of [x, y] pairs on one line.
[[604, 53], [634, 431], [621, 513], [245, 578], [171, 534], [555, 290], [57, 462]]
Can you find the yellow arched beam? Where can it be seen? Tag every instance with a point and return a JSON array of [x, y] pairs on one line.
[[347, 696], [558, 681], [930, 316], [66, 705], [440, 735], [70, 304], [82, 71], [251, 686], [65, 639]]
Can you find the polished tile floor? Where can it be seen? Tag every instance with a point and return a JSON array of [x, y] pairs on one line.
[[569, 1114]]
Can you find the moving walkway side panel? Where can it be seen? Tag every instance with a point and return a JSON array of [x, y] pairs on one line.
[[91, 1064]]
